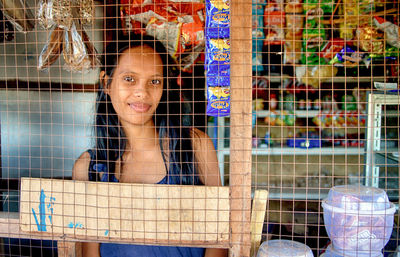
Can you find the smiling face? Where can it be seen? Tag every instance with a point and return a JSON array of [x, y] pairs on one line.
[[137, 85]]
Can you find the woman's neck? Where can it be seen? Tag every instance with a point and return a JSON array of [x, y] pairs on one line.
[[142, 137]]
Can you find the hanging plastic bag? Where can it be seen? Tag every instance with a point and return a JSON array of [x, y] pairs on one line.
[[52, 49], [18, 14], [86, 11], [79, 53], [45, 14]]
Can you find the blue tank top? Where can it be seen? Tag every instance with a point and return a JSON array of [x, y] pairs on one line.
[[125, 250]]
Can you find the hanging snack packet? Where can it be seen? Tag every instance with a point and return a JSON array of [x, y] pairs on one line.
[[274, 22], [217, 62], [331, 48], [370, 40], [218, 101], [313, 39], [52, 49], [325, 5], [293, 34], [217, 19], [349, 10], [18, 14], [392, 31], [294, 18], [79, 53], [349, 57], [292, 49]]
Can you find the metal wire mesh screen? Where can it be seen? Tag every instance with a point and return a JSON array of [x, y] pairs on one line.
[[324, 110], [318, 67]]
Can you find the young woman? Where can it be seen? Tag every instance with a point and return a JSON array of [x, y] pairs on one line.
[[140, 137]]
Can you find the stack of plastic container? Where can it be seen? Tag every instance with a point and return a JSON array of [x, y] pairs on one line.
[[358, 220], [284, 248]]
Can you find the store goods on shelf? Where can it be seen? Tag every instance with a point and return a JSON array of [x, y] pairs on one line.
[[358, 219], [284, 248]]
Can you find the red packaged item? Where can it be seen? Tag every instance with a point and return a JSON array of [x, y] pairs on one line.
[[274, 22], [178, 25], [331, 48]]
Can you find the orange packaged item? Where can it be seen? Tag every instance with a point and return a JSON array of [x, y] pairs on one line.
[[178, 25], [274, 22]]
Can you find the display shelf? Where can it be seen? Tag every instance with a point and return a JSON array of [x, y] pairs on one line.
[[382, 162], [297, 113], [276, 78], [294, 193], [302, 151]]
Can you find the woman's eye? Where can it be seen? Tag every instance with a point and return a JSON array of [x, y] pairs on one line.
[[156, 82], [129, 79]]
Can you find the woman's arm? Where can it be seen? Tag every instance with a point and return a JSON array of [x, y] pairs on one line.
[[80, 171], [205, 158], [207, 163]]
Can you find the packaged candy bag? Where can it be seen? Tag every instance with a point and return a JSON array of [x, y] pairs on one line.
[[178, 25], [370, 40], [217, 18], [348, 57], [293, 34], [274, 23], [217, 63], [331, 48], [218, 101]]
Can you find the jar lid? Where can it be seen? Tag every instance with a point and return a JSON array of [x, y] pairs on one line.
[[358, 198], [284, 248]]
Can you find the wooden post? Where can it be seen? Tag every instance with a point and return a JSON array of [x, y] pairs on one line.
[[240, 138]]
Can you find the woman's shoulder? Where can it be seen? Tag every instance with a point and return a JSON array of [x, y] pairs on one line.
[[80, 171], [197, 134]]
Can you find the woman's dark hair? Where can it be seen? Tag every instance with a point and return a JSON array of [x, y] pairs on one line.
[[110, 138]]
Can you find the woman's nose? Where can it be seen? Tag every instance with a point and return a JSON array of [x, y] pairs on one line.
[[140, 89]]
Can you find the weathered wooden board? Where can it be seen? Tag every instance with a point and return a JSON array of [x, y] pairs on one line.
[[128, 212], [257, 219]]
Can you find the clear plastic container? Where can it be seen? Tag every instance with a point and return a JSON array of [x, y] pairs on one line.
[[332, 252], [358, 198], [358, 219], [284, 248]]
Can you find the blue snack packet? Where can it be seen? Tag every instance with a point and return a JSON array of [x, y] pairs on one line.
[[217, 19], [218, 62], [218, 101]]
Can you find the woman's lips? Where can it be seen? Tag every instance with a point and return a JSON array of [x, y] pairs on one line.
[[140, 107]]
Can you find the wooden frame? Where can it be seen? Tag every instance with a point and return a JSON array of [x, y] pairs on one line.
[[122, 212], [239, 193]]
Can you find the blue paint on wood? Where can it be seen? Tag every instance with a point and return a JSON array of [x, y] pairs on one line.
[[42, 213]]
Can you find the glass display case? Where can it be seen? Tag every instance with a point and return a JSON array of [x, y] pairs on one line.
[[382, 148]]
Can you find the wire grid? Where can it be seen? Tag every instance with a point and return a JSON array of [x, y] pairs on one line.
[[46, 118], [48, 109], [311, 117]]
